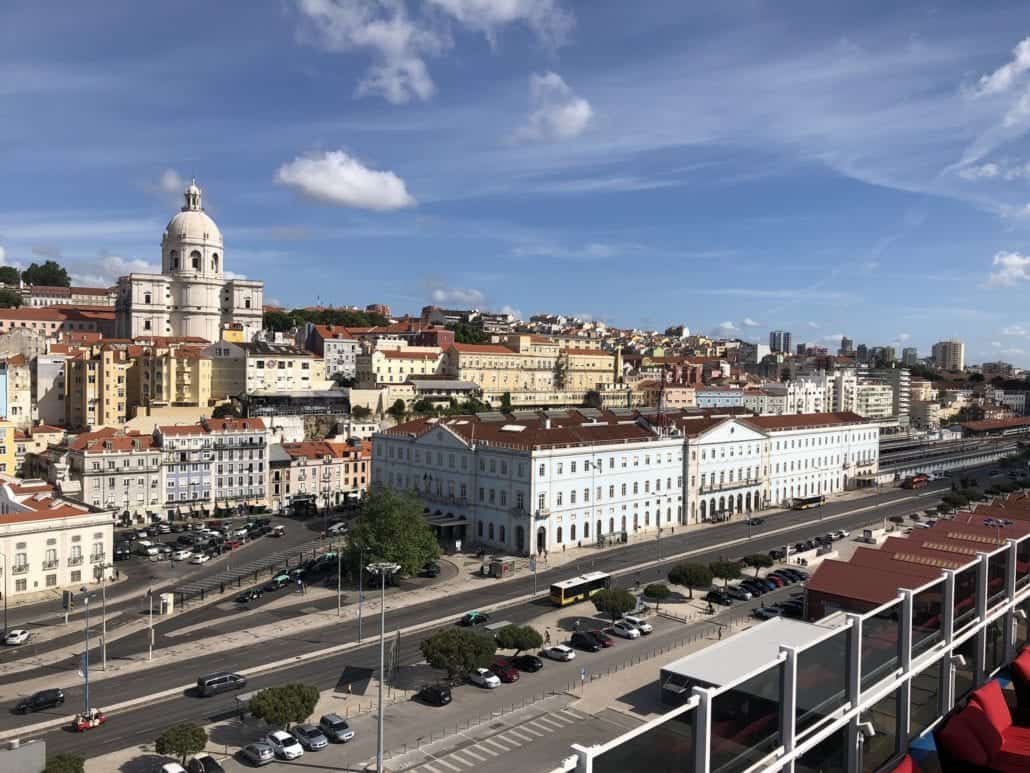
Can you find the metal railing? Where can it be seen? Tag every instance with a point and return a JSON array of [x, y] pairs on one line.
[[20, 569], [709, 488], [75, 560], [51, 564]]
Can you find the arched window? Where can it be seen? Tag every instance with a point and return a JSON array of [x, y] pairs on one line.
[[502, 535], [557, 537], [214, 262], [572, 532], [611, 525], [491, 532], [479, 528], [174, 256], [195, 259], [146, 298], [624, 523], [704, 511], [636, 521]]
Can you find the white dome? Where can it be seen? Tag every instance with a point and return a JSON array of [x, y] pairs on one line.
[[193, 225]]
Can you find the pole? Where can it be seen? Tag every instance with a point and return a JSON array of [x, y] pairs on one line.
[[339, 587], [103, 620], [85, 660], [150, 625], [382, 673], [5, 594], [361, 594]]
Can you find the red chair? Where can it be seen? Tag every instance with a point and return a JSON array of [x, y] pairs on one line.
[[1021, 678], [981, 737], [906, 765]]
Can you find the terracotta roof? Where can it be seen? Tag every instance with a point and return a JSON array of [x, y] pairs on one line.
[[853, 581], [35, 315], [181, 429], [112, 441], [805, 420], [318, 449], [483, 349], [235, 425], [17, 360], [333, 332], [984, 426]]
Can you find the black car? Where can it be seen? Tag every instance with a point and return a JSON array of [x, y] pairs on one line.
[[586, 642], [528, 663], [44, 699], [249, 595], [718, 597], [767, 613], [474, 618], [755, 587], [204, 764], [435, 694], [755, 521], [123, 551], [431, 569]]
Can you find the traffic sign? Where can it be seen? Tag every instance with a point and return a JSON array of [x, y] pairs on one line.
[[532, 563], [583, 674]]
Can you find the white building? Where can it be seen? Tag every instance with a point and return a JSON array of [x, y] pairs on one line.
[[112, 470], [536, 484], [51, 543], [874, 400], [807, 394], [191, 296]]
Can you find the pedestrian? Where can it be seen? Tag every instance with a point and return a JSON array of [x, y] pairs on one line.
[[575, 625], [303, 590], [720, 633], [547, 636]]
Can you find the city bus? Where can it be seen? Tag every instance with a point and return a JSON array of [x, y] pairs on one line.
[[804, 503], [579, 588], [919, 480]]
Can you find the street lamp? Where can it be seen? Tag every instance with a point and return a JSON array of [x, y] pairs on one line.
[[85, 654], [383, 569], [5, 592], [102, 572]]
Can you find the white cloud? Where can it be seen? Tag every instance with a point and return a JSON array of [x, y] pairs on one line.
[[584, 252], [171, 182], [556, 113], [46, 251], [813, 325], [982, 172], [748, 322], [833, 338], [506, 309], [550, 23], [464, 295], [104, 270], [339, 179], [273, 302], [1002, 79], [1012, 268], [903, 337], [996, 344], [1013, 350], [1013, 330], [727, 327]]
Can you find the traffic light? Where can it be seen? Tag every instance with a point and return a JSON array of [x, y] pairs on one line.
[[67, 600]]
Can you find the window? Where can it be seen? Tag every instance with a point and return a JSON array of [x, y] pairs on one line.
[[195, 259], [51, 580]]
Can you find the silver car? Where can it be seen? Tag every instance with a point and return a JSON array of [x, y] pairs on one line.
[[335, 727], [310, 737], [258, 753]]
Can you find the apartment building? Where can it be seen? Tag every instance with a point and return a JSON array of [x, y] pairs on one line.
[[259, 366], [337, 347], [178, 376], [96, 388], [770, 399], [900, 382], [112, 470], [16, 378], [536, 484], [187, 456], [30, 449], [949, 355], [46, 295], [48, 387], [393, 365], [874, 400], [726, 465], [51, 543], [327, 473], [719, 397], [52, 323]]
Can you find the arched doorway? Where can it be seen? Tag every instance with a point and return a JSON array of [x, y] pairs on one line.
[[502, 534], [490, 531], [704, 510], [624, 523], [747, 501], [611, 526], [722, 504], [599, 532], [572, 532], [740, 503], [520, 539], [541, 540], [636, 521], [558, 536], [586, 529]]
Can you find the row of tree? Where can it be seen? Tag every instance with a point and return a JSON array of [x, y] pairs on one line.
[[48, 273], [282, 321]]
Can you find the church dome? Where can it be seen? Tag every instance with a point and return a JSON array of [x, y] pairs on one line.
[[192, 224]]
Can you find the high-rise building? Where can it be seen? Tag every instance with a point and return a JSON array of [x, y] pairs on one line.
[[779, 341], [847, 347], [949, 355], [909, 356], [862, 353], [888, 355]]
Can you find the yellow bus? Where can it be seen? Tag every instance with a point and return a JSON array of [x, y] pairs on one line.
[[579, 588]]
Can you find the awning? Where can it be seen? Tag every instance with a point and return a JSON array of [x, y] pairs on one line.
[[446, 520]]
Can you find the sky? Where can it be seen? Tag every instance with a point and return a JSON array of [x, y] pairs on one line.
[[826, 168]]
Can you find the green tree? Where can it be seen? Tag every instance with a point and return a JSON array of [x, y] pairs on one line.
[[390, 527], [458, 652], [360, 412], [9, 299], [469, 332], [725, 570], [50, 273], [277, 321], [691, 576], [506, 401], [285, 705], [758, 561], [897, 519], [423, 407], [398, 410], [657, 591], [592, 399], [66, 763], [519, 638], [976, 377], [9, 275], [226, 411], [181, 741], [614, 602]]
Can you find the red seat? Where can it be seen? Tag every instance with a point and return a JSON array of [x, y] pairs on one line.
[[906, 765], [982, 734]]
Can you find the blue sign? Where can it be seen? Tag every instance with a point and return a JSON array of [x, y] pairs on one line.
[[583, 674]]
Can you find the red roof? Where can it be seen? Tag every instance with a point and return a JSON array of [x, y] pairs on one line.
[[984, 426], [112, 441], [235, 425], [318, 449], [806, 420]]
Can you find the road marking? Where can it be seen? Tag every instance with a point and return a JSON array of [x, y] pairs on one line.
[[528, 728], [468, 750], [445, 763], [523, 737], [495, 742], [459, 758], [484, 748], [549, 723], [427, 767], [578, 715]]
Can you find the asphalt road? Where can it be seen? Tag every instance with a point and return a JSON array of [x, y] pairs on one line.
[[143, 723]]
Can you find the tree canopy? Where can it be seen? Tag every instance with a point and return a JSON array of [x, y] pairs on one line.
[[758, 561], [657, 591], [226, 411], [390, 527], [360, 411], [519, 638], [691, 576], [592, 399], [398, 410], [282, 321], [458, 651], [614, 602], [469, 332], [181, 741], [9, 275], [9, 298], [49, 273], [725, 570], [66, 763], [286, 705]]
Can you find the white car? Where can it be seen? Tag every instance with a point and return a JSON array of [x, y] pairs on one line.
[[559, 652], [200, 558], [337, 528], [172, 767], [284, 745], [181, 554], [240, 533], [17, 636], [639, 623], [484, 678], [625, 630]]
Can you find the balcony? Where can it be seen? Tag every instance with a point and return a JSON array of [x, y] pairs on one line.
[[97, 558], [519, 512], [711, 488], [20, 569], [50, 564], [542, 512], [74, 560]]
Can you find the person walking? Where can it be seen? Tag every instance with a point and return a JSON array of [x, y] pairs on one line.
[[547, 636]]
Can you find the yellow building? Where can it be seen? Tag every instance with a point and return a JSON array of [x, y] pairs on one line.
[[96, 388], [176, 377], [8, 461], [384, 367], [234, 333]]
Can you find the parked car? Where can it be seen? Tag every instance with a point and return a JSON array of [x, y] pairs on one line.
[[776, 580], [232, 544], [435, 694], [584, 641], [716, 596], [204, 764], [277, 582], [639, 623], [284, 745], [44, 699], [337, 529], [778, 554], [474, 618], [250, 595], [213, 684], [335, 728], [164, 528], [602, 638], [171, 767], [122, 552], [756, 588], [625, 630], [17, 636], [310, 737], [787, 579], [755, 521], [484, 678], [258, 753], [504, 670], [181, 554], [200, 558], [529, 663], [431, 569], [738, 592], [559, 652], [767, 613]]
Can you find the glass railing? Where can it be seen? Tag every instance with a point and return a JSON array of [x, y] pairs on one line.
[[668, 748], [965, 597], [881, 644], [997, 578], [927, 618], [745, 721], [821, 680]]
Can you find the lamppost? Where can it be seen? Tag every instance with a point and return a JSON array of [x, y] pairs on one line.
[[4, 555], [998, 524], [102, 572], [383, 569], [85, 654]]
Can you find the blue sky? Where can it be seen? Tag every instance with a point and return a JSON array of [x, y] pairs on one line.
[[827, 168]]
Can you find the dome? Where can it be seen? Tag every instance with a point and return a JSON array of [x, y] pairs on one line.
[[193, 226]]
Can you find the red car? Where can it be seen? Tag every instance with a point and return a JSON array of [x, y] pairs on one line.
[[505, 671], [779, 581], [231, 544], [603, 639]]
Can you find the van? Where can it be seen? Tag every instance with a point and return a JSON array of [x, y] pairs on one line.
[[277, 531], [145, 548], [213, 684]]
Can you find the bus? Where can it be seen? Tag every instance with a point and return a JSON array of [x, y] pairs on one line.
[[804, 503], [579, 588], [919, 480]]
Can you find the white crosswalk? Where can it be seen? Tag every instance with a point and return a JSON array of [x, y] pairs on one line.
[[506, 742]]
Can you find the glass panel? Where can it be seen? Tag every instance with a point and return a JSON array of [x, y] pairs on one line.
[[1023, 624], [994, 657], [828, 756], [881, 641], [926, 699], [997, 571], [822, 680], [1023, 563], [746, 722], [884, 744], [927, 618], [965, 597], [667, 748], [965, 676]]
